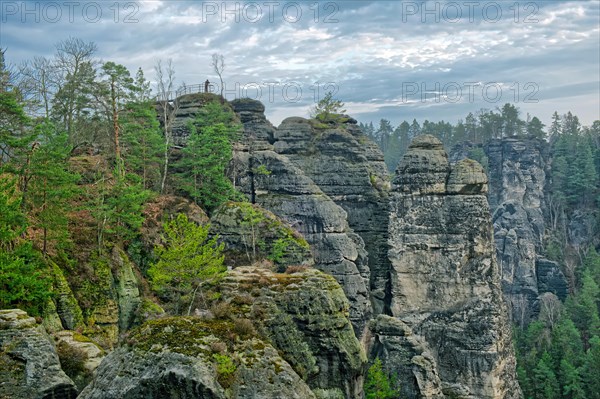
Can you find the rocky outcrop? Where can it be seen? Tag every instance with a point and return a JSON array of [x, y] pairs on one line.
[[273, 181], [29, 365], [116, 298], [251, 233], [183, 111], [79, 356], [305, 316], [517, 171], [275, 335], [66, 305], [451, 336], [550, 278], [350, 169]]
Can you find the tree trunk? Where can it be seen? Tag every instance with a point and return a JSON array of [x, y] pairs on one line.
[[115, 118]]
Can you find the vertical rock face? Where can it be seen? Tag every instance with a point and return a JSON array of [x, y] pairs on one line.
[[29, 365], [449, 334], [350, 169], [277, 184], [517, 170]]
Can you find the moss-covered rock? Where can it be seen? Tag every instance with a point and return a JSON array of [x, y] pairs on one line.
[[66, 305], [305, 316], [270, 335], [251, 233], [128, 293], [79, 356], [190, 357]]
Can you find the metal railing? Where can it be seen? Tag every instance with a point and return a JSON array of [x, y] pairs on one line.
[[185, 89]]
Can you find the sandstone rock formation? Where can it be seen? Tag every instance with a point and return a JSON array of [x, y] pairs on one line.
[[518, 176], [29, 365], [425, 266], [284, 189], [517, 170], [350, 169], [450, 335], [300, 344], [80, 352]]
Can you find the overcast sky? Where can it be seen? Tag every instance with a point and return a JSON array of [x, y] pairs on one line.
[[395, 59]]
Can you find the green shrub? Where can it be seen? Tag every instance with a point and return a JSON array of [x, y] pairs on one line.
[[225, 369], [72, 359], [187, 260], [379, 384], [24, 280]]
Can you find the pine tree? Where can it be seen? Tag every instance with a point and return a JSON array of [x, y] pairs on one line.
[[24, 281], [383, 133], [12, 219], [328, 109], [583, 307], [566, 343], [51, 185], [143, 143], [555, 127], [124, 208], [113, 93], [535, 128], [415, 129], [570, 124], [141, 87], [378, 384], [203, 165], [207, 155], [187, 260], [512, 125], [585, 178], [570, 381]]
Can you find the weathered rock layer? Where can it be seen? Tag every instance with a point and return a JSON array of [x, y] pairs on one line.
[[274, 182], [29, 365], [450, 333]]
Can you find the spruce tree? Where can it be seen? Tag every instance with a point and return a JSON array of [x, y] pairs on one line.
[[51, 185]]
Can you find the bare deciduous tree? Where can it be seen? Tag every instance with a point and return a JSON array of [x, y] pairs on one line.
[[218, 64], [38, 82], [165, 77], [550, 309]]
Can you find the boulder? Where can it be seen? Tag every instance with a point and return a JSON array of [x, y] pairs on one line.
[[29, 364]]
